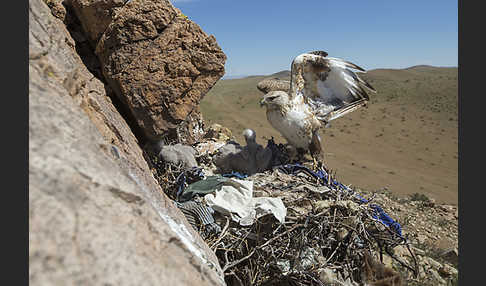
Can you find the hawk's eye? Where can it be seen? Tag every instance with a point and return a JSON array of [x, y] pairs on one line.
[[272, 97]]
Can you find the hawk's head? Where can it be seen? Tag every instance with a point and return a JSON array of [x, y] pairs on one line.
[[275, 99]]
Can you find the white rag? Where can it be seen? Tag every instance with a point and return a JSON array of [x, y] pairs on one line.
[[237, 201]]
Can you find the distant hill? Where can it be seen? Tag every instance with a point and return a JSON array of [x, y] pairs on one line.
[[282, 75], [432, 88], [405, 140], [233, 76], [427, 67]]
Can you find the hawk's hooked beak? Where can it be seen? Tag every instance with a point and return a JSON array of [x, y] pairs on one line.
[[262, 102]]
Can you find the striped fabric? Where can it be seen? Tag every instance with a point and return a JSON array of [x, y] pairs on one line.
[[199, 215]]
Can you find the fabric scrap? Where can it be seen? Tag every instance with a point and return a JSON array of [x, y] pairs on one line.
[[237, 201], [199, 214], [202, 187]]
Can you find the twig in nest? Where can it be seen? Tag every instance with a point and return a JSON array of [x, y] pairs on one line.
[[414, 260], [223, 233], [237, 278], [415, 271], [233, 264]]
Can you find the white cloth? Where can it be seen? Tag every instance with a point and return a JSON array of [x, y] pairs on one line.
[[237, 201]]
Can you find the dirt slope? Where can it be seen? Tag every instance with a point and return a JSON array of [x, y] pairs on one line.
[[405, 140]]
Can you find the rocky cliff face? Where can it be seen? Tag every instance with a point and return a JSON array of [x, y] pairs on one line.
[[96, 213], [158, 62]]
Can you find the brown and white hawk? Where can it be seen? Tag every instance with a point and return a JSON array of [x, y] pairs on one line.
[[321, 89]]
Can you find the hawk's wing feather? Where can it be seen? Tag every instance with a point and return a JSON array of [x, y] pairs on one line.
[[343, 63], [342, 111], [328, 85]]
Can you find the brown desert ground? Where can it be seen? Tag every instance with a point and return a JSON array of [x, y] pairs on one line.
[[405, 140]]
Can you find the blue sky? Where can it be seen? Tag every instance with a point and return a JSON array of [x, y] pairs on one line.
[[261, 37]]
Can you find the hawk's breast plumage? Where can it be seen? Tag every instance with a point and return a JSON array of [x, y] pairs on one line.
[[321, 89]]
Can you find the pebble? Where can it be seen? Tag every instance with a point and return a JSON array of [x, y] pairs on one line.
[[437, 277], [447, 270]]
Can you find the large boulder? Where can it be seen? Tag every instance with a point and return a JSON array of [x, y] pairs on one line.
[[95, 15], [157, 61], [96, 214]]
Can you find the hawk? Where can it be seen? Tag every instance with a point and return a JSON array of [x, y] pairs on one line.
[[321, 89]]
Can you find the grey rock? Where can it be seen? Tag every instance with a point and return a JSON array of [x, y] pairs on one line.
[[307, 259], [447, 271], [96, 214], [436, 277], [432, 262], [328, 277]]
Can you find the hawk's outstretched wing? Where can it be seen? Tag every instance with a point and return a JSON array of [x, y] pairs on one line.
[[328, 85], [273, 84]]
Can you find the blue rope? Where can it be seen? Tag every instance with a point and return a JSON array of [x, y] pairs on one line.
[[378, 213], [181, 182], [235, 174], [386, 219], [195, 173]]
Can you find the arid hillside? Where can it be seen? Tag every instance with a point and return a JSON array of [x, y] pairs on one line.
[[406, 140]]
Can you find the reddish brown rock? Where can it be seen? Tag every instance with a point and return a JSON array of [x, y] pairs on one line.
[[218, 132], [157, 61], [95, 15], [192, 128]]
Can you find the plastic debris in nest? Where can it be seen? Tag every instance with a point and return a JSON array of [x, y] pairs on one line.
[[234, 174], [232, 197], [326, 179], [236, 200], [298, 251], [200, 216], [328, 228], [200, 187]]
